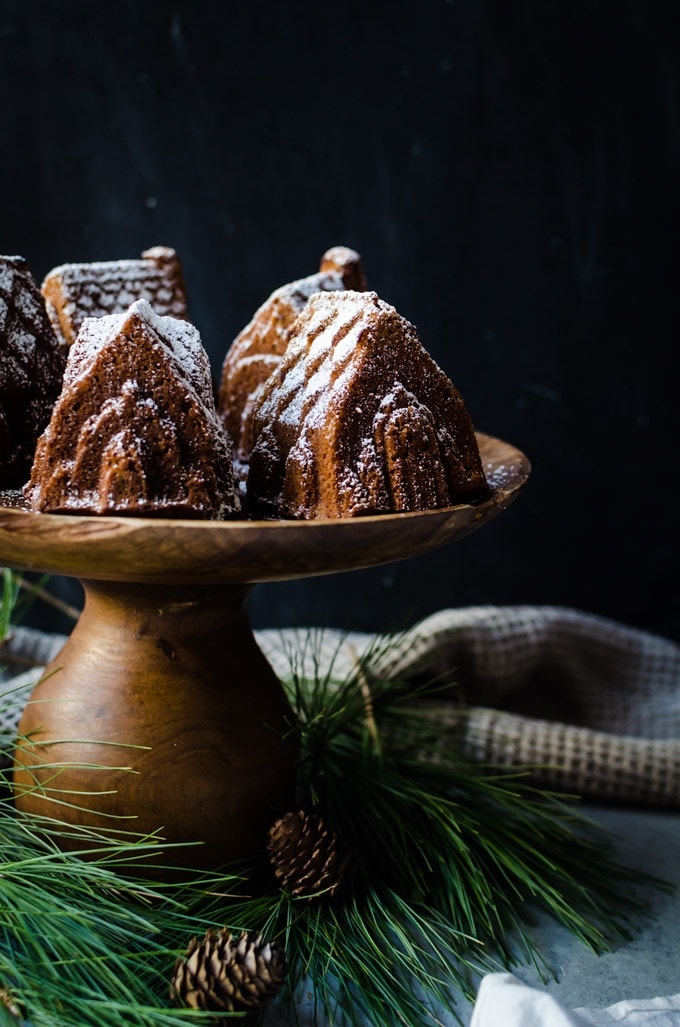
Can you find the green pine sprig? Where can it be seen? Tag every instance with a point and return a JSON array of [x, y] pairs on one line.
[[452, 860], [8, 601], [450, 864], [85, 940]]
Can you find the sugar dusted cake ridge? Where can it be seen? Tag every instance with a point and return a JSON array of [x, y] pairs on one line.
[[78, 290]]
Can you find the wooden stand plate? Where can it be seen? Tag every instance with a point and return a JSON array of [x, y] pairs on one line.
[[160, 714]]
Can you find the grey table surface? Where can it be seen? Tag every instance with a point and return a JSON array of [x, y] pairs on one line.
[[647, 966]]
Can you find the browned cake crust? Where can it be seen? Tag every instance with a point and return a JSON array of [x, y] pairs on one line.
[[359, 419], [257, 349], [32, 363], [135, 430], [75, 291]]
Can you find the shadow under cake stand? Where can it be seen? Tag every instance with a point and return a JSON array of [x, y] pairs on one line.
[[160, 714]]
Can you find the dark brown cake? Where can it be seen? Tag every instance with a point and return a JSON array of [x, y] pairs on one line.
[[359, 419], [32, 364], [257, 349], [75, 291], [135, 430]]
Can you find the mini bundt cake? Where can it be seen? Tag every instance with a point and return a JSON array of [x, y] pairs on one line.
[[257, 349], [135, 429], [359, 419], [32, 362], [75, 291]]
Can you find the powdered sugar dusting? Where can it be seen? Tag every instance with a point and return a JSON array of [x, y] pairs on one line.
[[76, 291], [268, 332], [180, 338], [135, 429], [31, 368], [9, 266], [277, 313], [345, 426], [299, 292]]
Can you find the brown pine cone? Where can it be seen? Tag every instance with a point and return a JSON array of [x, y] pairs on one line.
[[307, 857], [221, 974]]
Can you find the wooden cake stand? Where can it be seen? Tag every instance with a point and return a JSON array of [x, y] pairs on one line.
[[160, 714]]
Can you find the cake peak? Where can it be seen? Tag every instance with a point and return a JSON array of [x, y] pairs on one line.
[[257, 349], [359, 419], [135, 429], [76, 291], [181, 339]]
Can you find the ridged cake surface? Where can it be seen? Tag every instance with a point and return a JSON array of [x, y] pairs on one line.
[[257, 349], [32, 363], [135, 429], [75, 291], [359, 419]]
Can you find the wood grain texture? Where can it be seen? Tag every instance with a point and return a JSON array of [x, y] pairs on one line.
[[160, 714], [222, 552]]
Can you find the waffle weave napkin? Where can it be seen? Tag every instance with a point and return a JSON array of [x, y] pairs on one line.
[[592, 704]]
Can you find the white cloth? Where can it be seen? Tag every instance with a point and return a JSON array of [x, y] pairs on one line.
[[505, 1001]]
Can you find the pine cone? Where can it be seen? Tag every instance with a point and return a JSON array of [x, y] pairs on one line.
[[221, 974], [306, 857]]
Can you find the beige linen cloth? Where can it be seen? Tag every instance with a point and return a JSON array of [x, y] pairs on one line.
[[591, 704]]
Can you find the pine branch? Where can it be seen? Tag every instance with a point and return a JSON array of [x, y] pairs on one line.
[[448, 863]]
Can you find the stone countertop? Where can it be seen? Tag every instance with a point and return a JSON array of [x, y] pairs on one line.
[[647, 966]]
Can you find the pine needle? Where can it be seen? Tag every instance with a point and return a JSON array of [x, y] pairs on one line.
[[449, 864], [38, 590], [453, 859], [10, 594]]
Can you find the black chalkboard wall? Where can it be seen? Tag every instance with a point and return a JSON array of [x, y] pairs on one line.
[[509, 174]]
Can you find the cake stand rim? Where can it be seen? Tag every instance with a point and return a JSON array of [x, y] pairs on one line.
[[68, 544]]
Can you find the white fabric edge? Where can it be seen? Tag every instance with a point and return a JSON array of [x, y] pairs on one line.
[[505, 1001]]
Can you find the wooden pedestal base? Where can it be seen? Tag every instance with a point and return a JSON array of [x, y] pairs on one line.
[[161, 715]]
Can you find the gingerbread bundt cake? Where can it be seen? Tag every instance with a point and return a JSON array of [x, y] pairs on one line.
[[75, 291], [32, 364], [135, 429], [257, 349], [359, 419]]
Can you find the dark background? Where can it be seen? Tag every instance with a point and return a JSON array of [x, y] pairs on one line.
[[508, 172]]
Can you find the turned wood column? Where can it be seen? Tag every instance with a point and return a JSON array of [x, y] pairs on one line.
[[161, 715]]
